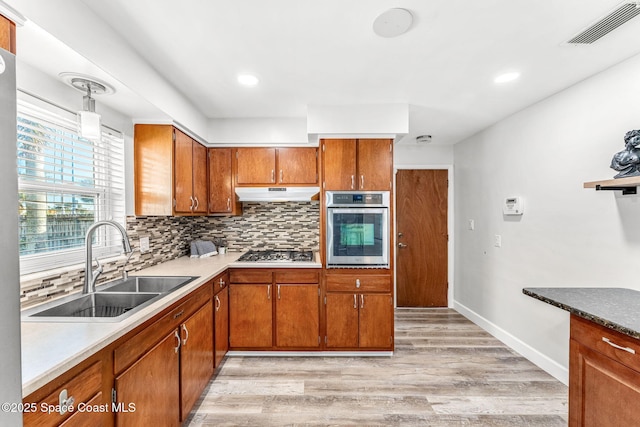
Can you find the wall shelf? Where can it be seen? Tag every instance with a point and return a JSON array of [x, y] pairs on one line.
[[627, 185]]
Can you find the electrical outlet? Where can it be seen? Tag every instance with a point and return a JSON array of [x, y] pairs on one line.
[[144, 244], [472, 225], [497, 241]]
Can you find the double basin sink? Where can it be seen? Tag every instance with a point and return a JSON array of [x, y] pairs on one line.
[[112, 302]]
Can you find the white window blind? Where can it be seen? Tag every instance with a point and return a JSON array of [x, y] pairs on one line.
[[65, 184]]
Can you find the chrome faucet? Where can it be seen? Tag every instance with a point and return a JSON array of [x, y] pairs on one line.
[[91, 276]]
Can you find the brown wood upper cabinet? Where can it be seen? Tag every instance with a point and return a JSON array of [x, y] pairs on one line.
[[222, 196], [357, 164], [170, 172], [276, 166]]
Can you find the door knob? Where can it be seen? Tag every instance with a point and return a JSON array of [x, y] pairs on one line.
[[401, 245]]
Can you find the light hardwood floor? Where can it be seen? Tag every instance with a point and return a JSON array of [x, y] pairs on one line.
[[445, 371]]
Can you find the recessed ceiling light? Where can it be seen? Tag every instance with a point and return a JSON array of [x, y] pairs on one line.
[[507, 77], [393, 22], [247, 79]]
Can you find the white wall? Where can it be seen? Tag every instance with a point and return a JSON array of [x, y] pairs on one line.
[[413, 154], [568, 236]]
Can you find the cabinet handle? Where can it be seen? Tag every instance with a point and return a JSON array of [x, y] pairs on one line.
[[279, 292], [619, 347], [355, 301], [191, 207], [362, 301], [273, 175], [362, 182], [281, 176], [221, 283], [197, 203], [268, 291], [357, 283], [179, 341], [218, 304], [186, 332], [65, 402], [228, 203], [178, 314], [353, 181]]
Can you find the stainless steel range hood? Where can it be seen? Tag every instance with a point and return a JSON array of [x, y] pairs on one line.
[[276, 194]]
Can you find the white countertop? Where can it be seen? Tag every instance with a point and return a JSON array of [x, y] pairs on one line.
[[51, 348]]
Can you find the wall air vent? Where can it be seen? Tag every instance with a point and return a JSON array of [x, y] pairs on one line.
[[623, 13]]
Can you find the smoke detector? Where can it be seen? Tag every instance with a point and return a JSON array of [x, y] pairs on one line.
[[423, 139]]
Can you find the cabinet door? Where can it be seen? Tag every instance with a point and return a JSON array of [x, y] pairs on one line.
[[602, 391], [375, 164], [342, 320], [199, 166], [256, 165], [339, 164], [376, 320], [250, 316], [196, 356], [87, 418], [152, 384], [297, 166], [221, 323], [183, 172], [221, 196], [297, 315]]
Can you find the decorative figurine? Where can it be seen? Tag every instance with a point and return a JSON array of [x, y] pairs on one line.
[[627, 161]]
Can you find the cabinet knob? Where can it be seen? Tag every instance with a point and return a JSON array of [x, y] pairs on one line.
[[357, 283]]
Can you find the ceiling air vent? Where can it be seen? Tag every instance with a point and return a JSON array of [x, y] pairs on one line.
[[623, 13]]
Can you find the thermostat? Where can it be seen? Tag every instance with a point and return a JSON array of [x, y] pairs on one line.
[[513, 206]]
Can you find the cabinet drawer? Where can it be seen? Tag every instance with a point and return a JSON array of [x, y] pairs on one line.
[[603, 340], [250, 276], [297, 276], [83, 387], [135, 347], [365, 283], [220, 282]]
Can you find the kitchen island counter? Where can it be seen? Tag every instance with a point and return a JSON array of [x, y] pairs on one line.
[[615, 308]]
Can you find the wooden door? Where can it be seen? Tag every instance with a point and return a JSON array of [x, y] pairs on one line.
[[376, 320], [256, 166], [199, 165], [375, 164], [196, 357], [183, 172], [339, 164], [297, 316], [342, 320], [152, 384], [298, 166], [421, 263], [220, 182], [221, 324], [250, 316]]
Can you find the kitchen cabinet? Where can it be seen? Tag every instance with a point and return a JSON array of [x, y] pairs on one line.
[[274, 309], [222, 196], [604, 376], [358, 312], [170, 172], [82, 389], [221, 317], [276, 166], [175, 354], [357, 164]]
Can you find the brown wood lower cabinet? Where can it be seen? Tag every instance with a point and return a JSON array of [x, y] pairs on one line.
[[297, 315], [604, 376], [221, 317], [250, 316]]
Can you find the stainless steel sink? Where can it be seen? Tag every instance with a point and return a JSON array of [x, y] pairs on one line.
[[141, 284], [112, 302], [106, 307]]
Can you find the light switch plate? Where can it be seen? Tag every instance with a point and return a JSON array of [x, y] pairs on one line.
[[144, 244], [497, 241]]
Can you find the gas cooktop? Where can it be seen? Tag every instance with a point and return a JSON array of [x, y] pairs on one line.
[[274, 256]]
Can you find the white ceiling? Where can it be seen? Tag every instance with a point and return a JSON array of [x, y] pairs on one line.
[[325, 53]]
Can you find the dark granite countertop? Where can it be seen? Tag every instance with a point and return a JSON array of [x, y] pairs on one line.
[[614, 308]]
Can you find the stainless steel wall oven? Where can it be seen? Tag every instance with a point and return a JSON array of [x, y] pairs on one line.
[[357, 229]]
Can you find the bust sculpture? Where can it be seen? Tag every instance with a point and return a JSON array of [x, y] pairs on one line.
[[627, 161]]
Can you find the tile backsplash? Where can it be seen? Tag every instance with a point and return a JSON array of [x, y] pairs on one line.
[[281, 225]]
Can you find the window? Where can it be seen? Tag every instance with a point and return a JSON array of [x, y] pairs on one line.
[[65, 183]]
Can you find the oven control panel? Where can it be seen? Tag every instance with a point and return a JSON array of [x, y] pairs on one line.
[[360, 198]]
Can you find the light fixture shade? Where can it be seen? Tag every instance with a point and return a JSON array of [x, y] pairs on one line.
[[89, 125]]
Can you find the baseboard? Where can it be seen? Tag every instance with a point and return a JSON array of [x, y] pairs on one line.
[[310, 353], [543, 362]]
